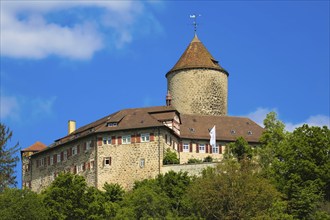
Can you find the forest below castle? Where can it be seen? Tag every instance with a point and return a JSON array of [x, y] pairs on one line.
[[285, 177]]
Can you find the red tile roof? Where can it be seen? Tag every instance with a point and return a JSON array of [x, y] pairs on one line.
[[196, 56], [37, 146], [228, 128]]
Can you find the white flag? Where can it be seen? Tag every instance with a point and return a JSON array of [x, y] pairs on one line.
[[213, 139]]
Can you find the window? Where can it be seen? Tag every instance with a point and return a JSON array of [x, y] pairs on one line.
[[88, 145], [107, 161], [126, 139], [74, 150], [92, 164], [65, 155], [202, 148], [106, 140], [145, 137], [51, 160], [42, 162], [185, 147], [215, 149], [79, 168], [142, 163], [58, 158]]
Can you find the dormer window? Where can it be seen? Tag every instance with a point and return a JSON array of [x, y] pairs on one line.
[[249, 133], [233, 132], [112, 124]]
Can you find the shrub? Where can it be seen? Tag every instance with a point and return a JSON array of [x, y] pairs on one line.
[[170, 157], [194, 160], [208, 159]]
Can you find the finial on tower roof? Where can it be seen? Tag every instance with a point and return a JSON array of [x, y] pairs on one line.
[[194, 16]]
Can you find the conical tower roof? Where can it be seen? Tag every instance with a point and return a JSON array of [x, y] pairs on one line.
[[197, 56]]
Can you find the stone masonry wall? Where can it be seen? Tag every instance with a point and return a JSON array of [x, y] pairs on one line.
[[82, 163], [192, 169], [199, 91], [130, 162]]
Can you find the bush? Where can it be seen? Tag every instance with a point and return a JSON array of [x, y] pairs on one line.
[[170, 157], [194, 160], [208, 159]]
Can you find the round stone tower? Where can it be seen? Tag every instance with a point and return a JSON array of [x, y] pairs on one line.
[[197, 83]]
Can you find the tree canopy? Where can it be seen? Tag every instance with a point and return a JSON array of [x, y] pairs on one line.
[[8, 158]]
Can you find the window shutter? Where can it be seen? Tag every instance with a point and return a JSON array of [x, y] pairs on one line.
[[62, 156], [180, 147], [84, 167], [48, 160], [55, 158], [75, 170], [152, 137], [138, 138], [132, 138], [211, 149], [78, 149], [113, 140], [99, 141], [88, 165], [119, 139], [190, 147], [206, 148], [220, 149], [68, 152], [197, 148], [85, 146]]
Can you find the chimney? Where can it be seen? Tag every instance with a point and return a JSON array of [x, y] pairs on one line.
[[168, 98], [71, 126]]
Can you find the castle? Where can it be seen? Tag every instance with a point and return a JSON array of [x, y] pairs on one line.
[[129, 145]]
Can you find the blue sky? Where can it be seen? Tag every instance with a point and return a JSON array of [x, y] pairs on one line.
[[81, 61]]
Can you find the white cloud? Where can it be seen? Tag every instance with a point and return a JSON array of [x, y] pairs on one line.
[[12, 108], [260, 114], [27, 33], [8, 107], [315, 120]]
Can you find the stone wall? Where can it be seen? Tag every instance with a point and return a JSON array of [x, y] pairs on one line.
[[43, 173], [192, 169], [199, 91], [130, 162]]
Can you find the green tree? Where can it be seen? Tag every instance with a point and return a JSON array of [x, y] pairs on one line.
[[145, 202], [240, 149], [170, 157], [301, 169], [235, 191], [174, 185], [21, 204], [66, 197], [273, 135], [8, 159], [113, 192]]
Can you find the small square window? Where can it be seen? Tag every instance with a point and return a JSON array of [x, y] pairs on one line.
[[107, 161], [145, 137], [88, 145], [142, 163], [92, 164], [202, 148], [215, 149], [106, 140], [74, 150], [185, 147], [65, 155], [126, 139]]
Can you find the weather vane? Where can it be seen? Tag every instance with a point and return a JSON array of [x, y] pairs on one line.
[[194, 16]]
